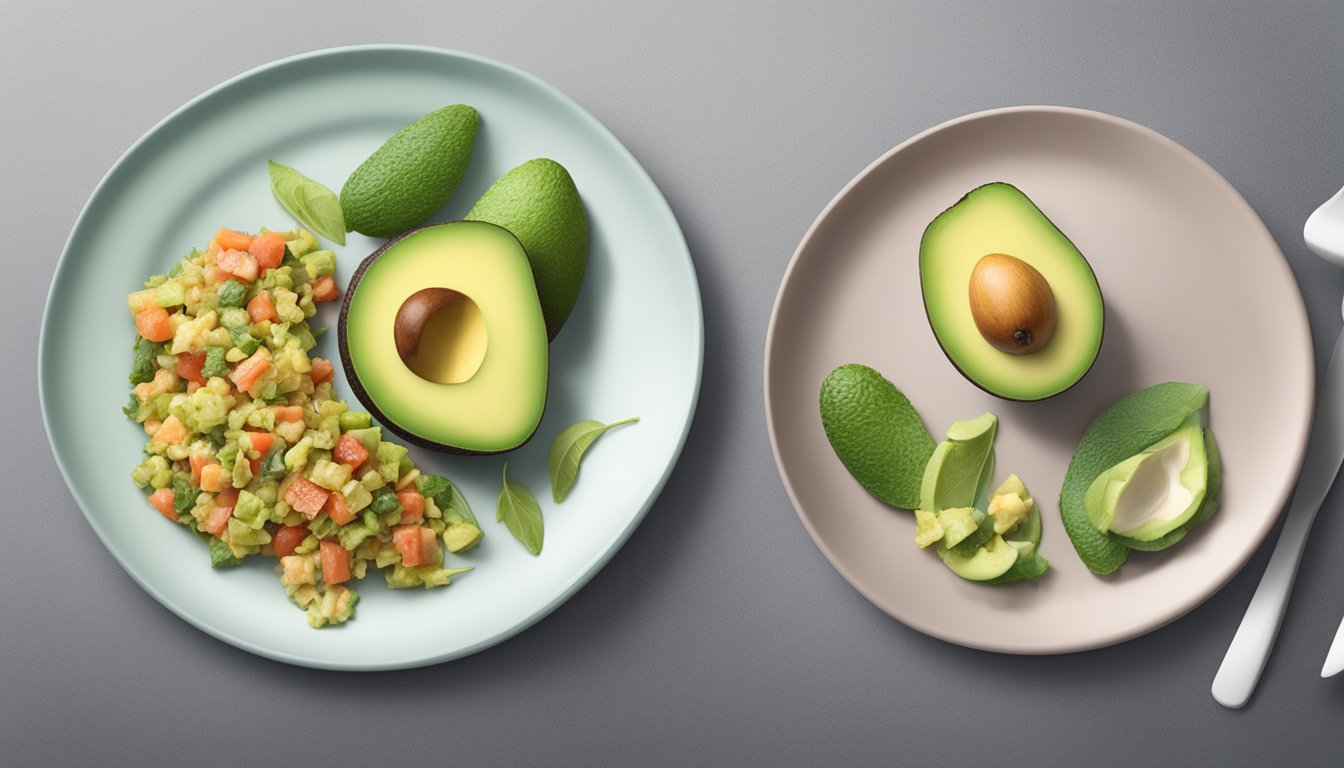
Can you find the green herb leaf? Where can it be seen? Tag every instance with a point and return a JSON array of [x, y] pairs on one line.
[[568, 450], [315, 206], [519, 511]]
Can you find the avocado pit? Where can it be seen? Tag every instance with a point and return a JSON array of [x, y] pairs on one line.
[[1012, 304], [440, 335]]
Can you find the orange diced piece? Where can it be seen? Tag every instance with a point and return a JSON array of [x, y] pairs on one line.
[[268, 250], [335, 562], [338, 509], [324, 289], [162, 500], [415, 543], [246, 373], [171, 432], [350, 451], [286, 538], [218, 520], [153, 324], [233, 239], [189, 365], [288, 412], [412, 506], [262, 308], [240, 264], [322, 370], [307, 497], [212, 478]]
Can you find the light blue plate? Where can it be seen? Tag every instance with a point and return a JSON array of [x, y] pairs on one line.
[[633, 347]]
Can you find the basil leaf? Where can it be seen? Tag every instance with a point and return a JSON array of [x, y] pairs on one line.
[[519, 511], [315, 206], [568, 450]]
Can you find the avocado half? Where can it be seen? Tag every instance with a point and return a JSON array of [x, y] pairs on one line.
[[493, 408], [998, 218]]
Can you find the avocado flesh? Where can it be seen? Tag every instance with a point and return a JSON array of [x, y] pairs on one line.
[[998, 218], [499, 407], [1155, 492], [1206, 509], [989, 561]]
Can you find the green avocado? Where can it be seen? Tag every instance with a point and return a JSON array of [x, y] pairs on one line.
[[996, 220], [876, 433], [412, 175], [1154, 492], [1128, 427], [539, 203], [1206, 509], [990, 561], [443, 340]]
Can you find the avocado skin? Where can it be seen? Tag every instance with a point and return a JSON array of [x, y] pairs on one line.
[[412, 175], [539, 203], [955, 364], [876, 433], [357, 386]]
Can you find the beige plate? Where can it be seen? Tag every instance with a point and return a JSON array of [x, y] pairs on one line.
[[1196, 290]]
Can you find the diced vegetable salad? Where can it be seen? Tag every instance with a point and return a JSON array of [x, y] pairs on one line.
[[249, 449]]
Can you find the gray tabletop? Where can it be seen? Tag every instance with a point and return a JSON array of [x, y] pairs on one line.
[[718, 634]]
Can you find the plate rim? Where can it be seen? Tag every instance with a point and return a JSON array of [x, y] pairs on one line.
[[1303, 428], [589, 569]]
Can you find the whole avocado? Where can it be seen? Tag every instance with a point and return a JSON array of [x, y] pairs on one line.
[[412, 175], [539, 203]]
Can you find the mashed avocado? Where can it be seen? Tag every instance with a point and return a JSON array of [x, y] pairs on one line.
[[248, 447]]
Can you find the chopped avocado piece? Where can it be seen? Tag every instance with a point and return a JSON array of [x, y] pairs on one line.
[[221, 555], [1008, 511], [231, 293], [460, 394], [539, 204], [927, 528], [352, 420], [994, 220], [989, 561], [1129, 426], [984, 531], [459, 537], [1154, 492], [958, 472], [876, 434], [957, 523]]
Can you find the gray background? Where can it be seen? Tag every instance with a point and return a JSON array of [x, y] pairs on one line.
[[718, 635]]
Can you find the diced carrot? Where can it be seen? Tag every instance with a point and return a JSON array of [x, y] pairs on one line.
[[335, 563], [322, 370], [255, 465], [246, 373], [240, 264], [171, 432], [288, 412], [286, 538], [324, 289], [350, 451], [153, 324], [189, 366], [338, 509], [192, 386], [212, 478], [268, 249], [214, 274], [412, 506], [162, 500], [307, 497], [261, 441], [415, 543], [217, 520], [198, 461], [233, 239], [262, 308], [227, 496]]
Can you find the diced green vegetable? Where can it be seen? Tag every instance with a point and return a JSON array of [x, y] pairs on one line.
[[355, 420], [221, 555], [232, 293], [142, 369]]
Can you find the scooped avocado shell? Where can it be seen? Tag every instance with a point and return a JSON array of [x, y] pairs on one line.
[[1012, 302], [474, 377]]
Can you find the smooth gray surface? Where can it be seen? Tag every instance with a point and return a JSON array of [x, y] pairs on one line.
[[718, 635]]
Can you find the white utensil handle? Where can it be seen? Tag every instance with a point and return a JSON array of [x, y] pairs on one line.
[[1250, 648], [1245, 658]]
